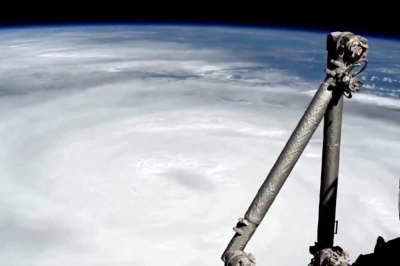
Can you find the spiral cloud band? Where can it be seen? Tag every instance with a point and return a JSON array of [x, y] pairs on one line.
[[143, 145]]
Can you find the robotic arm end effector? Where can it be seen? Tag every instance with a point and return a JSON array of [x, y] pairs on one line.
[[335, 256], [239, 258]]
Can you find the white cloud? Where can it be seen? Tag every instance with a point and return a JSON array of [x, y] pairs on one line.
[[130, 169]]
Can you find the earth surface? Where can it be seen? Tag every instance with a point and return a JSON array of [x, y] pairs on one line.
[[142, 145]]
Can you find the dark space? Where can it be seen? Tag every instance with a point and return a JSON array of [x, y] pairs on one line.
[[362, 17]]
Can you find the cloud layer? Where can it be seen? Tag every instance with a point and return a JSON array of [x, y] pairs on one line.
[[142, 146]]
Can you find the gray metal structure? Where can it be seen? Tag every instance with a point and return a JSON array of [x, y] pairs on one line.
[[330, 171], [345, 51]]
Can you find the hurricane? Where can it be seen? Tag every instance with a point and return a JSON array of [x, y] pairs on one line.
[[143, 145]]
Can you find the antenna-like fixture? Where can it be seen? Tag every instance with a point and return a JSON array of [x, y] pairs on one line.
[[345, 51]]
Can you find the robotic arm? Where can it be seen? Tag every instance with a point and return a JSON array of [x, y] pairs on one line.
[[345, 52]]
